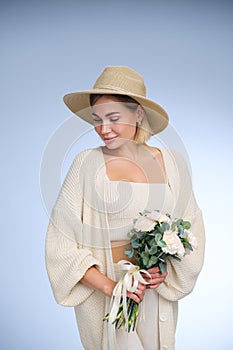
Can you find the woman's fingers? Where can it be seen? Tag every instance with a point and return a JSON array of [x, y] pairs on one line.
[[154, 286], [156, 278], [154, 270], [158, 275], [153, 282], [134, 296], [138, 295]]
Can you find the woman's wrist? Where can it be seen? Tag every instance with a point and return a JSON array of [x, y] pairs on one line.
[[109, 287], [93, 278]]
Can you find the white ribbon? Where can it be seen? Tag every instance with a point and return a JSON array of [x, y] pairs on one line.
[[128, 282]]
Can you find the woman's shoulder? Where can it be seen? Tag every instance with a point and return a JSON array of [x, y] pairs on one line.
[[154, 150], [88, 156], [89, 152], [158, 150], [172, 157], [163, 152]]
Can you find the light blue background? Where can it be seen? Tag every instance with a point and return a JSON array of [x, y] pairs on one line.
[[184, 51]]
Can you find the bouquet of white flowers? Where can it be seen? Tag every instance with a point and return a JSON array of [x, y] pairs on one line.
[[154, 239]]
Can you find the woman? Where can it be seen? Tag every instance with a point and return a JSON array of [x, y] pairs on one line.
[[105, 189]]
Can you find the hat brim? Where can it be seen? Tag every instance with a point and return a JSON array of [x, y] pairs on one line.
[[79, 104]]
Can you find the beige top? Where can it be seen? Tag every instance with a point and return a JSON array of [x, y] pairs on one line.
[[124, 201]]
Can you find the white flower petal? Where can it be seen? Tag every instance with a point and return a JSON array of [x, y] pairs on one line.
[[144, 224], [174, 244], [155, 215], [192, 239]]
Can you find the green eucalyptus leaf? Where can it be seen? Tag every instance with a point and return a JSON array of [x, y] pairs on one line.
[[129, 252], [180, 228], [163, 267], [163, 257], [153, 260], [143, 254], [153, 250], [140, 236], [162, 228], [150, 234], [182, 234], [162, 244], [176, 257], [186, 225], [188, 246], [134, 236], [145, 260], [158, 237], [173, 226], [135, 244], [152, 242]]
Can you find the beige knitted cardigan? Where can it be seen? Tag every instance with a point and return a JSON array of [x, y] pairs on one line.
[[78, 238]]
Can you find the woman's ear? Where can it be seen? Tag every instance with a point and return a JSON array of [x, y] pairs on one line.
[[140, 113]]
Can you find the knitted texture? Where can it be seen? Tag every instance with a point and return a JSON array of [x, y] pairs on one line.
[[78, 238]]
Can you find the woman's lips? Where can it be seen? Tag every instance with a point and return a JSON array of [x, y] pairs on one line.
[[109, 139]]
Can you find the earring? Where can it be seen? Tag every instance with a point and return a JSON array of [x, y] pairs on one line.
[[139, 123]]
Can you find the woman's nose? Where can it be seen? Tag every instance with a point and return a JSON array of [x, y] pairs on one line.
[[105, 128]]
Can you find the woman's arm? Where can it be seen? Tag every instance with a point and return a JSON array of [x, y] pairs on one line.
[[94, 279], [66, 260]]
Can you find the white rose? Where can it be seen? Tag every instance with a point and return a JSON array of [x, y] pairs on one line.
[[144, 224], [181, 250], [192, 239], [174, 244], [154, 215], [164, 218]]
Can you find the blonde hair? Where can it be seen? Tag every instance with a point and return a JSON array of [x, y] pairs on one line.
[[143, 131]]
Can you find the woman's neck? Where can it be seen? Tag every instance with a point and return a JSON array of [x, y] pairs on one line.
[[131, 151]]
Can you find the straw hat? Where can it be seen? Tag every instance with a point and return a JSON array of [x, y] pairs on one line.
[[118, 80]]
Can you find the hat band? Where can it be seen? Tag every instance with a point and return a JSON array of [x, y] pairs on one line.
[[113, 88]]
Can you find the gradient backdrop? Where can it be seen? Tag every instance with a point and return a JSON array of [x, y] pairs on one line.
[[184, 51]]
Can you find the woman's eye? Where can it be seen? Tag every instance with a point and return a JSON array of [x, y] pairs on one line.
[[97, 121], [100, 121]]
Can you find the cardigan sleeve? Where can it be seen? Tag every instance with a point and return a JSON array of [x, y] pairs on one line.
[[66, 259], [182, 275]]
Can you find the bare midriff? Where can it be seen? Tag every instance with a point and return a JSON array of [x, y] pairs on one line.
[[118, 251]]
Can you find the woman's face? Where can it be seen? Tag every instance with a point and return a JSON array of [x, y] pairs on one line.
[[113, 121]]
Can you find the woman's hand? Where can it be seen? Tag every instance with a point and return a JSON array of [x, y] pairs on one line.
[[153, 282], [156, 278], [138, 295]]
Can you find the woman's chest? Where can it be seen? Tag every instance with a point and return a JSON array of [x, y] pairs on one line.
[[147, 170]]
